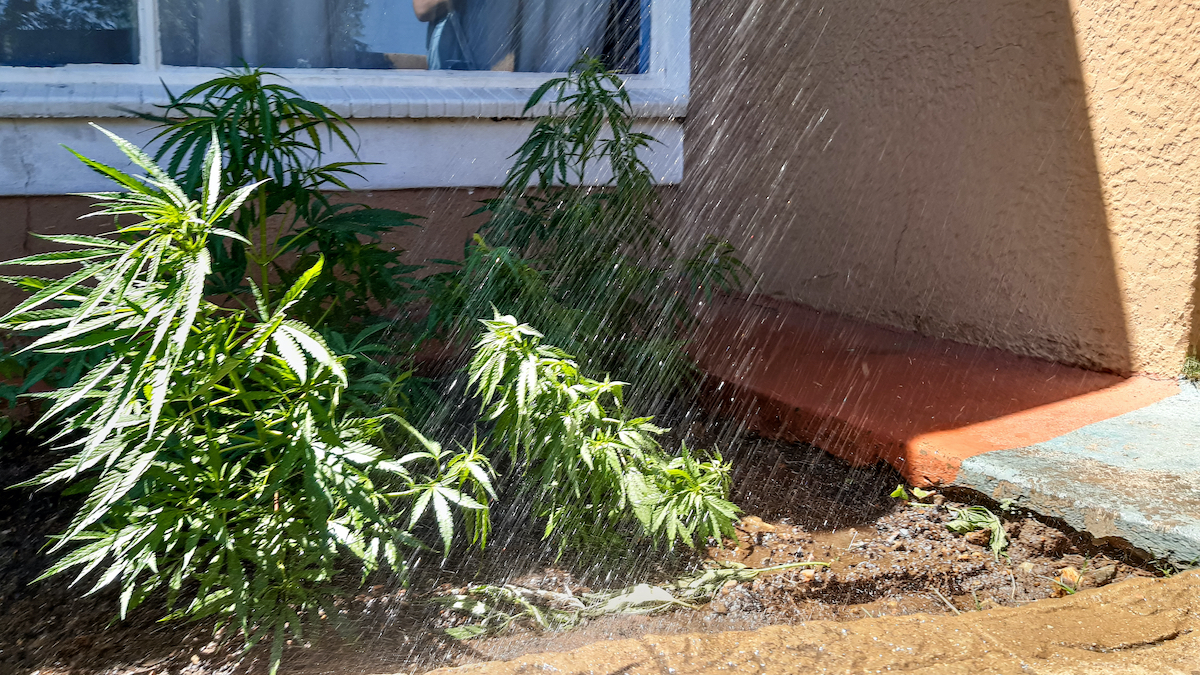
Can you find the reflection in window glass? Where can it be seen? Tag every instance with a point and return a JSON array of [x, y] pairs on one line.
[[521, 35], [58, 32], [292, 33]]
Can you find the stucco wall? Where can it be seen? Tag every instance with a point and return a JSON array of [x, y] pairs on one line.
[[1012, 173]]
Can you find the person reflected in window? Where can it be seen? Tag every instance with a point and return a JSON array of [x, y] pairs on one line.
[[486, 34], [469, 34]]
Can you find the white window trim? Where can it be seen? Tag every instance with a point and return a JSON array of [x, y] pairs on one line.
[[109, 91]]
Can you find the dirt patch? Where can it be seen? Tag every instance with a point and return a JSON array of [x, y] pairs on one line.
[[886, 559], [1141, 626]]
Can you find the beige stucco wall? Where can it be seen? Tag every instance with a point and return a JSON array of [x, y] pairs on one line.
[[1016, 173]]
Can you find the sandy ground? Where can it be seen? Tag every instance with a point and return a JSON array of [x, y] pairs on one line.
[[1133, 627]]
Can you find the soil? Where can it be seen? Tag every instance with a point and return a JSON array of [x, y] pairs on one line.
[[1138, 627], [887, 559]]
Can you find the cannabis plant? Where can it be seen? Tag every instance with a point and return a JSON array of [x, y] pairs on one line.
[[273, 134], [218, 466], [589, 467], [22, 370], [572, 242]]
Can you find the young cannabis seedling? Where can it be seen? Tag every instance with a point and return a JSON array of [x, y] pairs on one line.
[[573, 247], [587, 465], [902, 494], [974, 518]]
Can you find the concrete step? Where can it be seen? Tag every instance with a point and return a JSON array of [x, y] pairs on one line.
[[1112, 455]]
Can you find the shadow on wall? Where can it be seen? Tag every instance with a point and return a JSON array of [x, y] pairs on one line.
[[922, 164], [1194, 335]]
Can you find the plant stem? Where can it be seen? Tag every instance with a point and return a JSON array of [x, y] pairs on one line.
[[264, 260]]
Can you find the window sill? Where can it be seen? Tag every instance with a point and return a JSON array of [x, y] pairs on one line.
[[112, 91]]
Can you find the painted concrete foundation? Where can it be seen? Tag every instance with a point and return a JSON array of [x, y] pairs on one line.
[[1135, 477], [1116, 457]]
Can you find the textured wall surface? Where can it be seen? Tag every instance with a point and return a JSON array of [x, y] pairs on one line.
[[1012, 173]]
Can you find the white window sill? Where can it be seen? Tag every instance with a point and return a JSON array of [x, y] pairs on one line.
[[117, 91]]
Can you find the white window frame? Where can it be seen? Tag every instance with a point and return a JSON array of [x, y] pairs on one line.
[[111, 90], [423, 129]]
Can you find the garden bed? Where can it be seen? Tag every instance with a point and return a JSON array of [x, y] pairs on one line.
[[885, 557]]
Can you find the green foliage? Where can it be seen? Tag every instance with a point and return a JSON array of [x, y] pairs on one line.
[[273, 134], [588, 467], [210, 440], [238, 455], [1191, 368], [587, 263], [491, 609], [21, 369], [901, 493], [974, 518], [379, 378]]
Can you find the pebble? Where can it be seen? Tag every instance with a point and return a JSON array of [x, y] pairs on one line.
[[754, 524], [1102, 575], [1070, 576]]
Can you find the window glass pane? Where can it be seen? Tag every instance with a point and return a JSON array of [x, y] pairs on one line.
[[523, 35], [58, 32]]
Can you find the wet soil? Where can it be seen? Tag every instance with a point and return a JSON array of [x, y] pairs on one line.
[[887, 559], [1137, 627]]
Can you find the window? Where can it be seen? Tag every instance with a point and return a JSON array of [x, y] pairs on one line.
[[57, 32], [490, 35], [450, 121]]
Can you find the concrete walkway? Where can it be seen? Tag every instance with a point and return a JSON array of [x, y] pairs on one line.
[[1117, 457], [1135, 477]]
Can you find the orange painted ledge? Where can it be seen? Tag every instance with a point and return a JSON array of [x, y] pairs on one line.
[[869, 393]]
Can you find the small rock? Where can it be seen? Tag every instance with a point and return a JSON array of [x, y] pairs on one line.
[[1069, 576], [1026, 567], [1102, 575], [979, 537], [807, 575], [718, 607], [1041, 539], [208, 649], [195, 660], [754, 524]]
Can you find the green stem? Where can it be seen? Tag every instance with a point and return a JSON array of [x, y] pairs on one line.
[[264, 260]]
